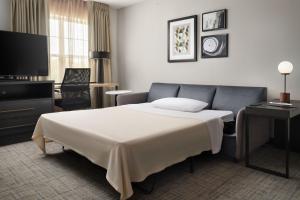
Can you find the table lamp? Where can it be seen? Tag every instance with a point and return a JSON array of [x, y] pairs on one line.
[[99, 56], [285, 68]]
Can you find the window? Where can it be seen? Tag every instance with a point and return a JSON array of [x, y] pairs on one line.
[[68, 45]]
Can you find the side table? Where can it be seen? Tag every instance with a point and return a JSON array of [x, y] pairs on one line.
[[274, 112]]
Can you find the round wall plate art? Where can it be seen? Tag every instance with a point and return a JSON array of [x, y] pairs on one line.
[[214, 46]]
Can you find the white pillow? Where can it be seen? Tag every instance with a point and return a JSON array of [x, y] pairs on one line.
[[180, 104]]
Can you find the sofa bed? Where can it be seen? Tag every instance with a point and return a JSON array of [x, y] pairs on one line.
[[218, 97], [137, 138]]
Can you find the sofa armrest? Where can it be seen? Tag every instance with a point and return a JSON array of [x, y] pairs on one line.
[[240, 130], [132, 98], [259, 131]]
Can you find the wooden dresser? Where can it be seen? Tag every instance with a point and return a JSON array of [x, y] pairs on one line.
[[21, 104]]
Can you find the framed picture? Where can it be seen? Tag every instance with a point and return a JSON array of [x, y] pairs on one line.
[[214, 20], [214, 46], [182, 39]]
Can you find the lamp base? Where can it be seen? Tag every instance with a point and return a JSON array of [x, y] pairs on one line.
[[285, 97]]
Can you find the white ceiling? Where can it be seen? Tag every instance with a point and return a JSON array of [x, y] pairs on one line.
[[119, 3]]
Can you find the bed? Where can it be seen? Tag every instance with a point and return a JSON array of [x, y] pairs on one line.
[[133, 141]]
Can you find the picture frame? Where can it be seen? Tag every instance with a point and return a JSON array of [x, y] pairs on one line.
[[214, 20], [182, 39], [214, 46]]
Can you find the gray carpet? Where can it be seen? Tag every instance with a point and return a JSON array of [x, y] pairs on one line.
[[26, 174]]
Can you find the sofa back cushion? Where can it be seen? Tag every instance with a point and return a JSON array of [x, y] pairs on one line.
[[162, 90], [235, 98], [198, 92]]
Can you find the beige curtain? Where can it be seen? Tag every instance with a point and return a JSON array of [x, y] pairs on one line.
[[29, 16], [68, 36], [99, 38]]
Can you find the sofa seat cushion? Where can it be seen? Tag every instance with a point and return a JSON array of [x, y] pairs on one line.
[[162, 90], [198, 92]]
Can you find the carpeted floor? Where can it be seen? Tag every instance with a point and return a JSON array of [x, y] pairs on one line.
[[26, 174]]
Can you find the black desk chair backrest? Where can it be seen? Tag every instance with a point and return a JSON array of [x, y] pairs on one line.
[[75, 89]]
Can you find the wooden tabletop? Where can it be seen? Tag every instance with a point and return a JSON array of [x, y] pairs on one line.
[[95, 85], [104, 84], [117, 92]]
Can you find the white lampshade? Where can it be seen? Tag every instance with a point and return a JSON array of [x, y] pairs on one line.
[[285, 67]]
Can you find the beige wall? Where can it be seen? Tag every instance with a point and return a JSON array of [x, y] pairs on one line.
[[4, 15], [261, 34]]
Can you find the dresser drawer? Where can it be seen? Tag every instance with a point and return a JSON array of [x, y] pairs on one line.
[[17, 130], [18, 120], [21, 104], [36, 106], [19, 115]]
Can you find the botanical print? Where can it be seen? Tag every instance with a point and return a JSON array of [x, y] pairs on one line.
[[181, 40]]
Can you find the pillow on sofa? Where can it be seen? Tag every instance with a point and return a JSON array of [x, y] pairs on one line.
[[198, 92], [180, 104]]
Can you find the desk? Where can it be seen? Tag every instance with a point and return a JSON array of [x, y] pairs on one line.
[[273, 112], [105, 85], [95, 85], [99, 91]]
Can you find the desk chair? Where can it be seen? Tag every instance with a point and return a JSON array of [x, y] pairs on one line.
[[75, 90]]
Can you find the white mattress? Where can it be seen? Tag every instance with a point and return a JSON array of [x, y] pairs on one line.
[[208, 116], [225, 115], [133, 141]]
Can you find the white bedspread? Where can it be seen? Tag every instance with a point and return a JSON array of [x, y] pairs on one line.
[[133, 141], [210, 117]]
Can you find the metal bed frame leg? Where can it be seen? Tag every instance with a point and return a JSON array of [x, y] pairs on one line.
[[145, 190], [192, 165]]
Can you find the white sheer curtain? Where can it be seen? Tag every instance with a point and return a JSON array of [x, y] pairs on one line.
[[68, 28]]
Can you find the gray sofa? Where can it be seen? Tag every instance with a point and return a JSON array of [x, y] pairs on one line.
[[233, 98]]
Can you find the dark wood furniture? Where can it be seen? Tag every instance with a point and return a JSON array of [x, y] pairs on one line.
[[21, 104], [94, 86], [273, 112]]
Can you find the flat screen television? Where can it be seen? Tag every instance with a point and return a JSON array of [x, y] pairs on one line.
[[23, 54]]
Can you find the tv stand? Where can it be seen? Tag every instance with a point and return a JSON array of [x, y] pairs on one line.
[[21, 104], [14, 78]]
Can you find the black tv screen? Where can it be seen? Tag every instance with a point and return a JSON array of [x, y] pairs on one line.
[[23, 54]]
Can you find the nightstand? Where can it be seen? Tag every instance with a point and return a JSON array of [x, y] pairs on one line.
[[273, 112]]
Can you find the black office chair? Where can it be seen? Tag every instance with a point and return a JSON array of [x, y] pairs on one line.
[[75, 90]]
